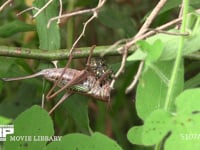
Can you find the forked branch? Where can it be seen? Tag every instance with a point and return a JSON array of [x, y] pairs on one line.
[[140, 33]]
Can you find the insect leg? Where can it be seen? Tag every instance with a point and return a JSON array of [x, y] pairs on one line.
[[77, 79], [89, 57], [64, 97], [105, 75], [60, 78]]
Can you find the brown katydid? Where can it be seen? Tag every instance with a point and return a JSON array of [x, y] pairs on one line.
[[93, 81]]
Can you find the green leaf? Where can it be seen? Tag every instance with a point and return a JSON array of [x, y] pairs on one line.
[[6, 64], [71, 142], [33, 122], [116, 18], [151, 90], [18, 102], [99, 139], [187, 102], [183, 125], [153, 51], [170, 4], [15, 27], [5, 120], [193, 82], [156, 127], [77, 107], [145, 46], [170, 42], [176, 3], [185, 133], [83, 142], [135, 135], [49, 37], [191, 44]]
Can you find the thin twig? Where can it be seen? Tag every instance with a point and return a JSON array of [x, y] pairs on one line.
[[95, 14], [151, 17], [169, 33], [138, 36], [142, 30], [114, 46], [68, 15], [136, 78], [121, 69], [80, 12], [167, 25], [145, 35], [78, 52], [28, 9], [5, 4], [60, 11], [82, 33], [41, 9], [180, 15]]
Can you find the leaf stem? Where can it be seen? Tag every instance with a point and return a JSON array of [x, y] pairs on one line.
[[70, 25], [61, 54], [170, 94]]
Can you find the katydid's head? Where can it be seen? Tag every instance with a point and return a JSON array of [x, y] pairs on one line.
[[101, 69]]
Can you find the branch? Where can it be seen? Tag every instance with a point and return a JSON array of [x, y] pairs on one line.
[[94, 12], [141, 32], [63, 54], [150, 18], [56, 54], [80, 12]]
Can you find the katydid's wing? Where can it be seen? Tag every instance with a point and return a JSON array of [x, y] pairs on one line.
[[76, 80]]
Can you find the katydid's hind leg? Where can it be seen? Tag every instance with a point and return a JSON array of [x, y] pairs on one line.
[[90, 56], [63, 98], [77, 79], [43, 100], [49, 94]]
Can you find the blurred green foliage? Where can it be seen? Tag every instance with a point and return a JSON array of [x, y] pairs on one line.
[[117, 20]]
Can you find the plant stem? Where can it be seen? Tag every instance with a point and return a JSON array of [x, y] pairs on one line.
[[57, 54], [70, 25], [62, 54], [158, 146], [170, 95]]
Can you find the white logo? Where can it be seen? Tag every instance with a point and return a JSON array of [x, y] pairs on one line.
[[5, 130]]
